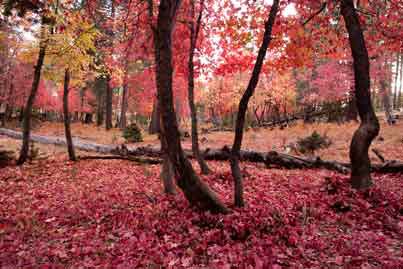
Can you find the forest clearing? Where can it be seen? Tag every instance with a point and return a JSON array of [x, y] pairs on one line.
[[201, 134]]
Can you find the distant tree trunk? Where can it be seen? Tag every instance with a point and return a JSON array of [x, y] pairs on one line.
[[69, 140], [195, 190], [21, 114], [100, 107], [123, 119], [243, 105], [194, 33], [395, 92], [109, 98], [385, 91], [369, 127], [88, 118], [399, 95], [154, 126], [26, 125]]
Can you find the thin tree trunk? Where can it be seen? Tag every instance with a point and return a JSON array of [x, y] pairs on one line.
[[369, 127], [109, 97], [26, 125], [125, 94], [243, 105], [395, 84], [195, 190], [194, 33], [386, 100], [69, 140]]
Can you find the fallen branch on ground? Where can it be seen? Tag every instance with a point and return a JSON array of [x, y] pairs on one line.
[[270, 159]]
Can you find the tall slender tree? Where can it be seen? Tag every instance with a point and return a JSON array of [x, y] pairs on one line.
[[369, 127], [194, 28], [27, 115], [243, 105], [66, 113]]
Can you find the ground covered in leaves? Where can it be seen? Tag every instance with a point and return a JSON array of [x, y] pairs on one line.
[[112, 214]]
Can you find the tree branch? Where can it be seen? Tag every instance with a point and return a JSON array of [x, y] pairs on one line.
[[315, 14]]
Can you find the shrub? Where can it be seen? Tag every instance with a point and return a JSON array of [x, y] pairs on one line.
[[132, 133], [312, 143]]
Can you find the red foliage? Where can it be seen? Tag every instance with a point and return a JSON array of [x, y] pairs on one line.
[[112, 214]]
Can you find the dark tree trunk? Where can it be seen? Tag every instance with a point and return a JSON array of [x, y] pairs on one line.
[[369, 127], [243, 105], [109, 98], [194, 33], [195, 190], [88, 118], [100, 107], [26, 123], [154, 126], [21, 114], [167, 172], [67, 130], [352, 113]]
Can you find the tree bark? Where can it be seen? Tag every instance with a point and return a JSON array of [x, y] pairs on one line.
[[109, 98], [154, 126], [195, 190], [167, 172], [26, 125], [351, 112], [243, 105], [194, 33], [69, 140], [369, 127]]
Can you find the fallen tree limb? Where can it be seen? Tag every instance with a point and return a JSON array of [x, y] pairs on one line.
[[128, 158], [152, 154]]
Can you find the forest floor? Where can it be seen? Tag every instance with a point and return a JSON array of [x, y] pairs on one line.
[[112, 214], [389, 142]]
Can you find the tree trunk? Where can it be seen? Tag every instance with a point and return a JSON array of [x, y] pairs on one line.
[[100, 106], [154, 126], [167, 173], [369, 127], [69, 140], [243, 105], [123, 120], [194, 33], [351, 113], [109, 97], [399, 96], [26, 125], [395, 94], [385, 91], [195, 190]]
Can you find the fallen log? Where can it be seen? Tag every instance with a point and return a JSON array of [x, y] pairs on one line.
[[270, 159], [127, 158]]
